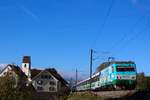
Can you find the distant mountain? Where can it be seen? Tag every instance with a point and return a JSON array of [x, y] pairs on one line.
[[2, 66]]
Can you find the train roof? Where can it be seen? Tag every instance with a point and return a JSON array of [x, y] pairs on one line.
[[94, 75], [106, 64]]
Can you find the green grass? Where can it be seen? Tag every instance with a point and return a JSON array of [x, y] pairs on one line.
[[84, 96]]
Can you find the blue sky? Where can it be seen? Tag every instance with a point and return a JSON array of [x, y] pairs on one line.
[[60, 33]]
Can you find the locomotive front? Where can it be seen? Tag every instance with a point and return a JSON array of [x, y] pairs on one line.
[[124, 76]]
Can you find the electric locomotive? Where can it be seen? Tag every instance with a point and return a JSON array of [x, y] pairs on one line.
[[111, 75]]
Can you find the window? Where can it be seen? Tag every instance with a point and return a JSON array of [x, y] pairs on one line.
[[125, 69], [5, 73], [112, 69], [46, 77], [52, 89], [40, 82], [25, 65], [94, 79], [49, 77], [52, 83], [42, 77], [39, 88]]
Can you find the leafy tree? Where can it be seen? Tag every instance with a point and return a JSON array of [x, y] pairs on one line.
[[6, 88], [143, 82], [9, 90]]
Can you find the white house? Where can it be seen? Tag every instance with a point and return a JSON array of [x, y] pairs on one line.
[[47, 80]]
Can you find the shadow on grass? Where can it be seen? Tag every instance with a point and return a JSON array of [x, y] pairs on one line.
[[140, 95]]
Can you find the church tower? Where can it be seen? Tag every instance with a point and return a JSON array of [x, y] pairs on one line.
[[26, 66]]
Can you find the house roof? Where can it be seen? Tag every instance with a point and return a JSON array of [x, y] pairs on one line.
[[35, 72], [57, 75], [26, 59], [16, 69]]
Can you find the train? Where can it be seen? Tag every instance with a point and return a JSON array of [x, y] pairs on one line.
[[114, 75]]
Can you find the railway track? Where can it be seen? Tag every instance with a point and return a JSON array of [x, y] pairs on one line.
[[113, 94]]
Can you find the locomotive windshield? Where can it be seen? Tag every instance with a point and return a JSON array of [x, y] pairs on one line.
[[125, 69]]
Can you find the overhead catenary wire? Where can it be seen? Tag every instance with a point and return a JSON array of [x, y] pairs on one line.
[[102, 27], [124, 37], [103, 24], [133, 38], [100, 55], [97, 37]]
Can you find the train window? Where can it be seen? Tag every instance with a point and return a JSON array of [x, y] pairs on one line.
[[112, 69], [94, 79], [124, 69]]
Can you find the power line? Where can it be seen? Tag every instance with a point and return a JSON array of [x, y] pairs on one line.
[[101, 55], [131, 30], [134, 37], [104, 23]]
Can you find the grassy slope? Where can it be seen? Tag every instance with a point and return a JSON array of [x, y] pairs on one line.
[[84, 96]]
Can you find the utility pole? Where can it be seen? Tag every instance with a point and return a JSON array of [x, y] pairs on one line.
[[91, 63], [76, 78]]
